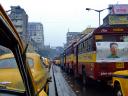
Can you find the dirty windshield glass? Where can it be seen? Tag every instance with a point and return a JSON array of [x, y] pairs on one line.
[[83, 43], [9, 72]]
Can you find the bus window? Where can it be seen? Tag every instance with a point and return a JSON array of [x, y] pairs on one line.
[[125, 38], [78, 48], [90, 44], [98, 37]]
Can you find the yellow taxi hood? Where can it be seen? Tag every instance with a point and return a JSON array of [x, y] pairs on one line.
[[46, 61], [32, 55], [123, 72]]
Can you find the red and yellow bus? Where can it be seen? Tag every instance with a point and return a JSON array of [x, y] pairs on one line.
[[98, 54], [102, 52], [69, 58]]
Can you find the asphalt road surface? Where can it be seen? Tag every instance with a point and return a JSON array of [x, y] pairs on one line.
[[95, 89], [65, 85]]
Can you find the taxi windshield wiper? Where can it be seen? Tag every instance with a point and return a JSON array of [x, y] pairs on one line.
[[4, 89]]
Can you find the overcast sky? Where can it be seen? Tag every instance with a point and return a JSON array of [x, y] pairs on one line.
[[57, 16]]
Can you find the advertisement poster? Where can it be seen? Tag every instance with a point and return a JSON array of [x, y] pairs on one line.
[[112, 51], [119, 9], [118, 20]]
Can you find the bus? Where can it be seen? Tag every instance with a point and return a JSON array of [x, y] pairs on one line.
[[62, 60], [98, 54], [102, 52], [69, 58]]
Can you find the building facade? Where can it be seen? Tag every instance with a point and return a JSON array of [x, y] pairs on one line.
[[20, 21], [88, 30], [72, 37], [36, 33]]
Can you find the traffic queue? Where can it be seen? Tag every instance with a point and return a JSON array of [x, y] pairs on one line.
[[92, 57], [101, 55]]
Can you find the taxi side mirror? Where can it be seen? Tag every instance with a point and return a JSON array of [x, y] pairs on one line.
[[49, 79], [46, 66]]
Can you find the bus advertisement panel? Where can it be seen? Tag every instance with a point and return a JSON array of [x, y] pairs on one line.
[[119, 9], [118, 20], [112, 52]]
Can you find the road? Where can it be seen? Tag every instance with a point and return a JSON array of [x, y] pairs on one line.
[[66, 85], [96, 89], [59, 86]]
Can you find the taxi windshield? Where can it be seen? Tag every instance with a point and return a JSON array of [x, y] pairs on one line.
[[10, 76], [8, 63]]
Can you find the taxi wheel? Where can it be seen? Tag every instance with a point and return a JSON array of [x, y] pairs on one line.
[[117, 90]]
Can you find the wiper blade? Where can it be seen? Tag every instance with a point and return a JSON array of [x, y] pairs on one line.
[[5, 82], [4, 89], [4, 86], [6, 92]]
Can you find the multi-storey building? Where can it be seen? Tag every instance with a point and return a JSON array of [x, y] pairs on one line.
[[72, 37], [88, 30], [35, 30], [20, 21]]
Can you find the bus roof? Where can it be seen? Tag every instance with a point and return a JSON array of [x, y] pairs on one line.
[[70, 45], [84, 38], [111, 29]]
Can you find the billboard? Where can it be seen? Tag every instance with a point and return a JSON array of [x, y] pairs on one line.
[[112, 51], [119, 9], [118, 20]]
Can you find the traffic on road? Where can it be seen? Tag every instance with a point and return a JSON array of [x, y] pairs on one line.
[[96, 64]]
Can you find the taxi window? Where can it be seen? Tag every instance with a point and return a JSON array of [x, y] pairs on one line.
[[9, 73], [8, 63], [30, 62]]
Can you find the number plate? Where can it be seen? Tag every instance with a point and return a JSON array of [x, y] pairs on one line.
[[119, 65]]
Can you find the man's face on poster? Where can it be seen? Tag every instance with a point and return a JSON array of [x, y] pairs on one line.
[[114, 48]]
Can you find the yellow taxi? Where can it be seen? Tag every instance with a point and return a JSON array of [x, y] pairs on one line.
[[10, 75], [46, 62], [120, 83], [21, 74], [39, 71], [57, 62]]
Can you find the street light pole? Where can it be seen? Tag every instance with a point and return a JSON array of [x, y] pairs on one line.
[[99, 18], [99, 11]]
